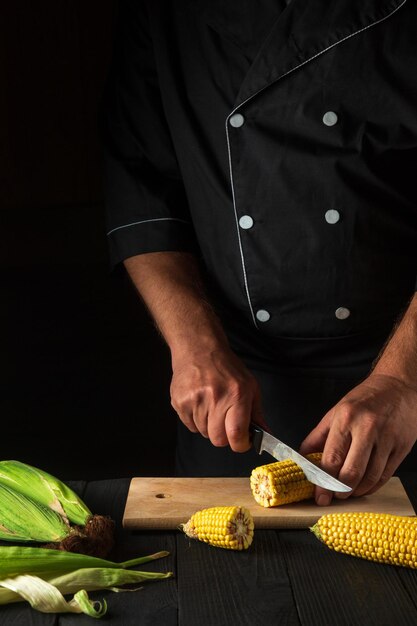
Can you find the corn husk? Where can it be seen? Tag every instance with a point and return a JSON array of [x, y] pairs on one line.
[[43, 577], [46, 598], [15, 560], [36, 506], [23, 519], [45, 489]]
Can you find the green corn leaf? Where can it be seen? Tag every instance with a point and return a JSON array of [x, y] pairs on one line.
[[46, 598], [16, 560], [45, 489], [23, 519], [92, 579], [93, 609]]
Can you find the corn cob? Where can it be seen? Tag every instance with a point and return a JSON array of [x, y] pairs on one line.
[[377, 537], [36, 506], [228, 527], [281, 482]]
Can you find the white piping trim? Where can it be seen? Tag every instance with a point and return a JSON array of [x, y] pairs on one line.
[[157, 219], [245, 278]]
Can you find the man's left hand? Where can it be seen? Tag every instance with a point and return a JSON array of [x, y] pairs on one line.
[[366, 436]]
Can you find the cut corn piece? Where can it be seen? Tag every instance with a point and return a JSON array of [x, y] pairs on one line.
[[282, 482], [379, 537], [45, 489], [228, 527]]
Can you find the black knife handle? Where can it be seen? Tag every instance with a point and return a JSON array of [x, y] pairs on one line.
[[256, 436]]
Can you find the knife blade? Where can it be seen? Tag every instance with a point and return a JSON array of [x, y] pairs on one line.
[[264, 442]]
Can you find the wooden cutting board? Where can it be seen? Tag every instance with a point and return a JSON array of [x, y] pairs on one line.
[[165, 503]]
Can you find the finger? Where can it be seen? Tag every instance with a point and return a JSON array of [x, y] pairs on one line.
[[375, 469], [335, 450], [392, 464], [237, 426], [192, 411], [201, 417], [186, 416], [216, 428], [354, 467]]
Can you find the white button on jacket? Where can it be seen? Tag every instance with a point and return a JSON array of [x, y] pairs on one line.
[[207, 118], [262, 315], [330, 118], [342, 313], [237, 120], [332, 216], [246, 222]]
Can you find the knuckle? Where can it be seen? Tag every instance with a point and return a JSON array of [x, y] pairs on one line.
[[333, 459], [384, 478], [237, 390], [235, 433], [346, 410], [351, 474], [371, 478], [187, 399], [219, 441], [369, 421], [177, 405]]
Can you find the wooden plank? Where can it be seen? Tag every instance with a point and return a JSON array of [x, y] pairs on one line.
[[22, 614], [157, 601], [222, 587], [331, 588], [167, 502]]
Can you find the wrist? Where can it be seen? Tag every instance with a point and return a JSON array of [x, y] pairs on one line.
[[397, 376], [399, 358], [205, 336]]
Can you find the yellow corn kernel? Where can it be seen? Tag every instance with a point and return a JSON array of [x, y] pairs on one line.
[[364, 527], [228, 527], [282, 482]]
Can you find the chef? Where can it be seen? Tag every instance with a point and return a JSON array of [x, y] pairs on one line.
[[260, 161]]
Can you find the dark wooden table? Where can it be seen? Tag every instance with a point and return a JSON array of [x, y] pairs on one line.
[[287, 577]]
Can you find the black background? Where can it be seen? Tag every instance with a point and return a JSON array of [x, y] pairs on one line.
[[85, 382]]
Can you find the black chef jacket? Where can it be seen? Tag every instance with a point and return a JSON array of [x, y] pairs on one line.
[[278, 142], [282, 145]]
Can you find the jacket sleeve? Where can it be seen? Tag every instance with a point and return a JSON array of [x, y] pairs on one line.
[[145, 199]]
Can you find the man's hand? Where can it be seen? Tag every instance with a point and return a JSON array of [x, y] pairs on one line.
[[366, 435], [211, 389], [214, 394]]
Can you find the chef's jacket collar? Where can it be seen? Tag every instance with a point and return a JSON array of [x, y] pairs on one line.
[[304, 30]]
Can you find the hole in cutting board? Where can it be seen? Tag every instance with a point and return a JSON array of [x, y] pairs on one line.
[[162, 495]]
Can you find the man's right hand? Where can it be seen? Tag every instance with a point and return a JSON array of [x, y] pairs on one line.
[[214, 394], [211, 390]]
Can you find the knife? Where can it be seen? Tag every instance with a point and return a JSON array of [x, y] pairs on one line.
[[264, 442]]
